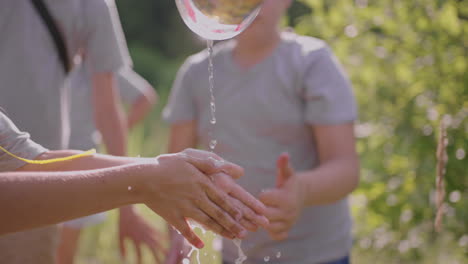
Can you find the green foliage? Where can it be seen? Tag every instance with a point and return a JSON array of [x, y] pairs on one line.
[[408, 63]]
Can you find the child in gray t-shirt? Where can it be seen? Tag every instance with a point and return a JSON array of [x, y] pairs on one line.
[[275, 93]]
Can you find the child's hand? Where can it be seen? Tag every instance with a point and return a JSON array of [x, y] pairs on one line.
[[285, 202]]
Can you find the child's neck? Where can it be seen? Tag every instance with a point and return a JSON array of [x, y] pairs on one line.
[[251, 50]]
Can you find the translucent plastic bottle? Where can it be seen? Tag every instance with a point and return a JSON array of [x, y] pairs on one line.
[[218, 19]]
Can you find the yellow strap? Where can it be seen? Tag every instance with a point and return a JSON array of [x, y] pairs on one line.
[[84, 154]]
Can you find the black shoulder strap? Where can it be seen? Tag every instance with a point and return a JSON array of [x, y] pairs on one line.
[[56, 35]]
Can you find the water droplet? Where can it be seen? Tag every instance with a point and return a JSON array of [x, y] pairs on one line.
[[186, 261], [213, 144], [213, 107], [278, 254], [213, 120], [266, 258], [129, 188]]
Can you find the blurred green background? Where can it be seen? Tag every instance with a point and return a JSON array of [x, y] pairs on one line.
[[408, 61]]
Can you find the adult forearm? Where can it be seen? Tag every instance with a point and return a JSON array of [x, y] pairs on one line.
[[96, 161], [330, 182], [33, 199]]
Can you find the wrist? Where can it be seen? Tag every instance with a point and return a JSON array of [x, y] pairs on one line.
[[303, 192], [126, 209], [135, 187]]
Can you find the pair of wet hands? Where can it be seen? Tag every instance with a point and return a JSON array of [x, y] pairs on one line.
[[276, 210]]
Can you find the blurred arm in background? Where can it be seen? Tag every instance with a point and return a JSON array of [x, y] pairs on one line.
[[109, 116], [138, 94], [107, 53], [141, 97]]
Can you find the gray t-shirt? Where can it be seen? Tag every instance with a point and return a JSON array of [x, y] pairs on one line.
[[263, 112], [16, 142], [34, 246], [32, 88], [83, 132]]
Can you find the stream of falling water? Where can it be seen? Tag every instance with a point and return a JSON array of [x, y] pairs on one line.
[[212, 136], [213, 142]]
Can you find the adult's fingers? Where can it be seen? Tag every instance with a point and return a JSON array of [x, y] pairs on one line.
[[209, 223], [182, 226], [231, 169], [222, 209], [247, 224], [246, 221], [251, 208], [210, 163], [221, 198], [248, 201]]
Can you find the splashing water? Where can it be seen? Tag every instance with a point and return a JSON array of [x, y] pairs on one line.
[[242, 257], [185, 261], [194, 225], [266, 258], [193, 249], [278, 254]]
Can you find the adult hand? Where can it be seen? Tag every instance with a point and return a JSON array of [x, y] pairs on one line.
[[182, 191], [252, 210], [134, 227], [285, 202]]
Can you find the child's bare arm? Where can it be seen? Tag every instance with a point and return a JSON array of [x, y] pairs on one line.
[[335, 177], [338, 172]]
